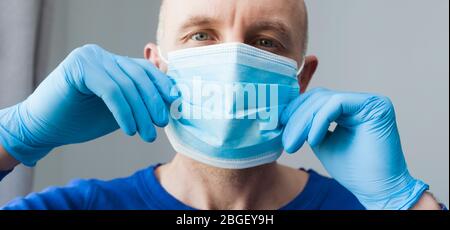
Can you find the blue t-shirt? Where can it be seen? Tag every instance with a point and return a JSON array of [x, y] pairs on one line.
[[142, 191]]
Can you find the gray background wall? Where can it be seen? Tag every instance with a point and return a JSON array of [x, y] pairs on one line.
[[396, 48]]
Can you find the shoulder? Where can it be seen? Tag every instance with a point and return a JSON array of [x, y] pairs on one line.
[[73, 196], [84, 194], [334, 196], [118, 194]]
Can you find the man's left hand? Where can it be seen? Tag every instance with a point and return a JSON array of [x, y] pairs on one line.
[[363, 153]]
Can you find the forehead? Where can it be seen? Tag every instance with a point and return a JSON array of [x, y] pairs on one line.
[[235, 11]]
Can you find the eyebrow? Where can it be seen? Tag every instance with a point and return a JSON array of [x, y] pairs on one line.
[[272, 25], [197, 21]]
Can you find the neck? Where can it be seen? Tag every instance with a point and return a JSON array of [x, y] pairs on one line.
[[266, 187]]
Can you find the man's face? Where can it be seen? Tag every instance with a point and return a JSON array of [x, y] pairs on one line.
[[275, 26]]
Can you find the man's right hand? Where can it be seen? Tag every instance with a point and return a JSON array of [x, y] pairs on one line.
[[90, 94]]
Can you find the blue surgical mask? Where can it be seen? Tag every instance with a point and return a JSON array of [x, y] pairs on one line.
[[232, 96]]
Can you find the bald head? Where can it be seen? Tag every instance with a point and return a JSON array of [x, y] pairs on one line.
[[237, 14]]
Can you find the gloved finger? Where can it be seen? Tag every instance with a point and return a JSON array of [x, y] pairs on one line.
[[141, 116], [292, 107], [100, 84], [321, 122], [297, 129], [148, 91], [164, 83], [338, 105]]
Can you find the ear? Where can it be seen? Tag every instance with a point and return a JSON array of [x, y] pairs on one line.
[[311, 64], [151, 53]]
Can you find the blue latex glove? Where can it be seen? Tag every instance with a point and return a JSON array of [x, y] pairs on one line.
[[363, 153], [90, 94]]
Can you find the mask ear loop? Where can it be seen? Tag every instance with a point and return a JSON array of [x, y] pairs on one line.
[[161, 56], [174, 90], [300, 70]]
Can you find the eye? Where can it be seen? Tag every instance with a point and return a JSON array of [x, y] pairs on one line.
[[200, 37], [267, 43]]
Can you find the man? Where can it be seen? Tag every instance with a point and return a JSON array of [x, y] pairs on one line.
[[220, 165]]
